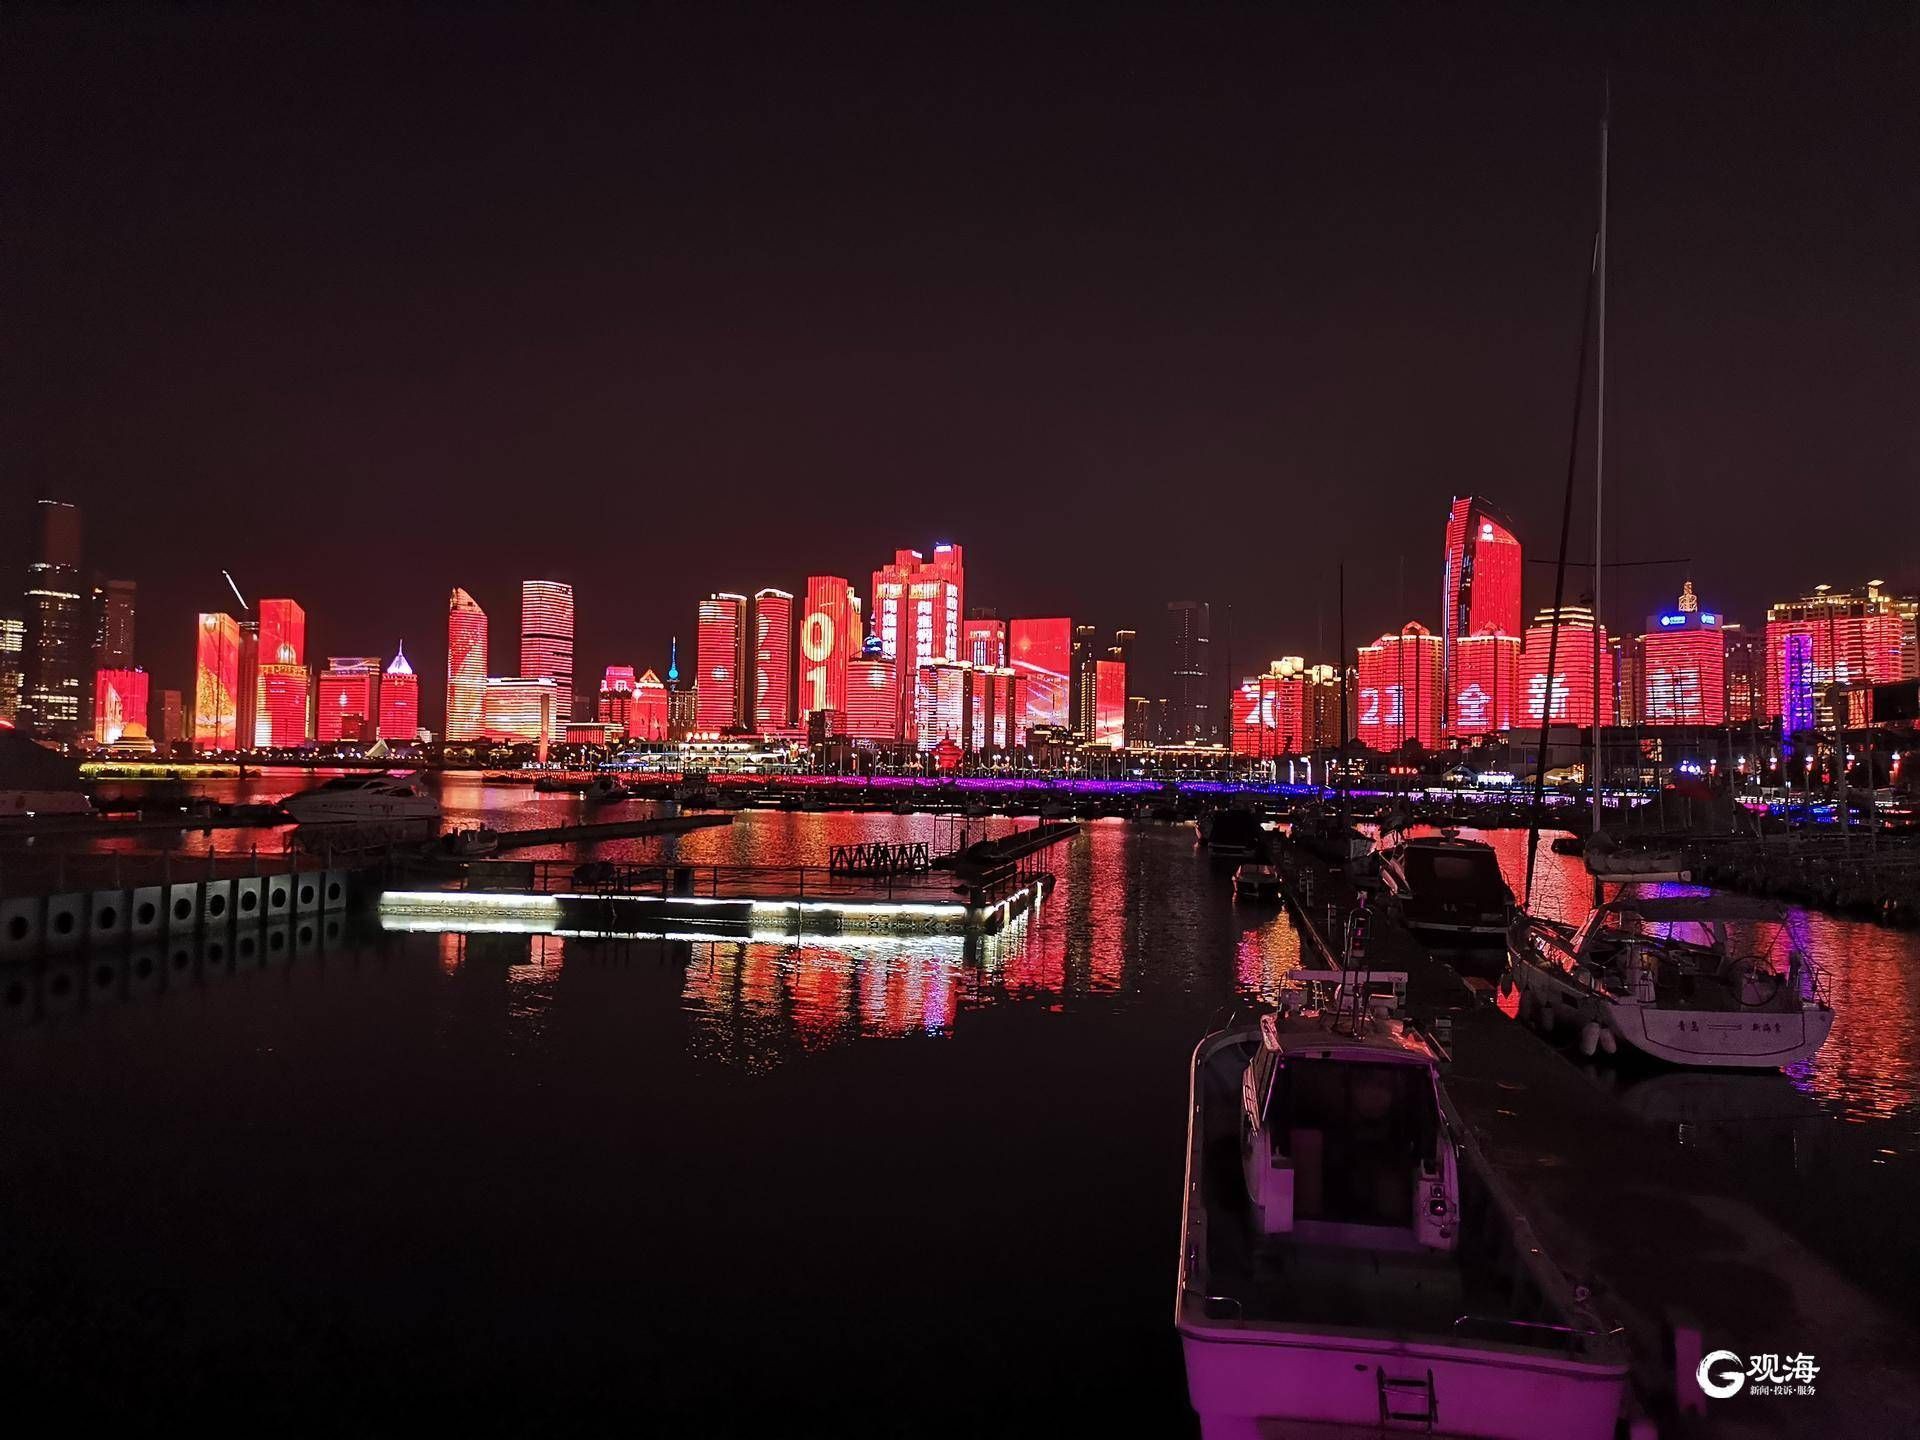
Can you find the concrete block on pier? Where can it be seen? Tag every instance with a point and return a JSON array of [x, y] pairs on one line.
[[336, 888], [108, 916], [183, 908], [65, 922], [216, 903], [146, 976], [106, 981], [20, 927], [279, 893], [249, 900], [308, 888], [147, 911], [61, 988]]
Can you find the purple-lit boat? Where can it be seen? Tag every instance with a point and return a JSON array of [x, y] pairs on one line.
[[1348, 1261]]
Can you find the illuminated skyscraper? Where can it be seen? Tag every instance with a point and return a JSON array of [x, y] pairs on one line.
[[1834, 638], [992, 720], [772, 660], [400, 699], [1042, 651], [281, 684], [173, 725], [119, 705], [466, 666], [1481, 578], [721, 660], [984, 641], [829, 638], [940, 703], [346, 707], [873, 698], [546, 638], [216, 684], [615, 701], [1486, 683], [283, 633], [519, 709], [1399, 689], [648, 712], [917, 609], [1110, 703], [1746, 673], [113, 616], [1683, 666], [56, 634], [13, 641], [1270, 711], [1190, 671], [1572, 686]]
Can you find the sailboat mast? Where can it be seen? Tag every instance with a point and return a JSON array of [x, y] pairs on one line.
[[1599, 462]]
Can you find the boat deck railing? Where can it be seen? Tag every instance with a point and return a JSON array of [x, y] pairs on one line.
[[738, 882]]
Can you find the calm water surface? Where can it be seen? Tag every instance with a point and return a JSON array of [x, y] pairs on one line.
[[514, 1182]]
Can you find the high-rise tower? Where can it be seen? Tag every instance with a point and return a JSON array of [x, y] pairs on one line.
[[546, 638], [466, 666], [1480, 585], [56, 658]]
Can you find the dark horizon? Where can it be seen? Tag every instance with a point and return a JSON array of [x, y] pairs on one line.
[[1135, 309]]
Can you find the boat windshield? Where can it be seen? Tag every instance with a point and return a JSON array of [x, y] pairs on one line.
[[1353, 1131], [1459, 871]]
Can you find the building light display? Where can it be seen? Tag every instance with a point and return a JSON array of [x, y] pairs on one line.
[[1682, 662], [1110, 703], [519, 709], [546, 637], [918, 606], [346, 706], [720, 654], [119, 704], [648, 710], [993, 709], [216, 684], [280, 718], [873, 700], [1486, 683], [399, 700], [466, 666], [984, 643], [1831, 638], [772, 660], [939, 703], [829, 638], [1270, 712], [1572, 685], [1040, 653], [1399, 689], [1480, 583], [283, 633]]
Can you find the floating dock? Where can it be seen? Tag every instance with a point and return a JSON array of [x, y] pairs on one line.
[[591, 832]]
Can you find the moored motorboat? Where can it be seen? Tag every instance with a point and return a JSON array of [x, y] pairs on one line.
[[1447, 889], [1349, 1259], [1256, 882], [365, 799], [1706, 1001]]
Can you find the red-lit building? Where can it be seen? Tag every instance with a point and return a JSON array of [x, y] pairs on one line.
[[1041, 654], [346, 706], [772, 660], [1486, 683], [647, 710], [1270, 712], [119, 705], [1573, 667], [519, 709], [873, 700], [993, 709], [1682, 660], [721, 661], [1399, 689], [216, 684], [829, 638], [615, 701], [917, 611], [282, 685], [983, 642], [1480, 583], [546, 638], [399, 700], [1110, 703], [283, 633], [940, 703], [1833, 638], [466, 666]]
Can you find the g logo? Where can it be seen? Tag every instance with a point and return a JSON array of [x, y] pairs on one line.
[[1728, 1381]]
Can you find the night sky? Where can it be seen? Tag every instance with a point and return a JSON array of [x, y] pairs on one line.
[[1135, 305]]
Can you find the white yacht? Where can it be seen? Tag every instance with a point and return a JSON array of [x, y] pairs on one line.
[[1349, 1263], [1665, 977], [368, 799]]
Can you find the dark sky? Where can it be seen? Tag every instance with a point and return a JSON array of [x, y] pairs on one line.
[[1135, 304]]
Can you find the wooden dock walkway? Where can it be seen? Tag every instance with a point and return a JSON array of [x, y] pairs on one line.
[[1662, 1236]]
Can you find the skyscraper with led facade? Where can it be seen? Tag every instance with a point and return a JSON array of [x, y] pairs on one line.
[[648, 712], [983, 641], [1110, 703], [346, 707], [1835, 638], [546, 638], [772, 660], [281, 682], [1573, 665], [1480, 582], [399, 700], [119, 705], [1486, 683], [873, 698], [1682, 659], [519, 709], [829, 638], [466, 666], [1041, 655], [721, 658], [1270, 712], [1399, 689], [917, 612], [216, 684], [940, 704]]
